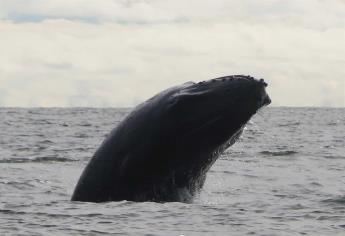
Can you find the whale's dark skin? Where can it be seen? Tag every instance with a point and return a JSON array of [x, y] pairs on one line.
[[163, 149]]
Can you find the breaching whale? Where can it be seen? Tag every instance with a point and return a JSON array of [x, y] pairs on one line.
[[163, 149]]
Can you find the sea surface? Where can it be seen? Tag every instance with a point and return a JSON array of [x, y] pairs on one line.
[[285, 176]]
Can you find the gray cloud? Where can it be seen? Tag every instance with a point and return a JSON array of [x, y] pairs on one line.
[[133, 49], [308, 13]]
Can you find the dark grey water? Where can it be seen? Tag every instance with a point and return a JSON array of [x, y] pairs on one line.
[[285, 176]]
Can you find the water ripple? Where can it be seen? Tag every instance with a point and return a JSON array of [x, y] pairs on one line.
[[37, 159], [279, 153]]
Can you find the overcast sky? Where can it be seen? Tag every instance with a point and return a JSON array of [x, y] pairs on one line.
[[119, 53]]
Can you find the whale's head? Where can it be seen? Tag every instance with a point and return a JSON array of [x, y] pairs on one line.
[[230, 96], [222, 105]]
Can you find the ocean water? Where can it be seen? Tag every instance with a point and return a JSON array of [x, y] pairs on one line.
[[285, 176]]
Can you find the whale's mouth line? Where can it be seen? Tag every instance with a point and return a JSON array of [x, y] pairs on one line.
[[206, 124]]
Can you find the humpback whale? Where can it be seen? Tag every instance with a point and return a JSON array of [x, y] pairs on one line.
[[164, 147]]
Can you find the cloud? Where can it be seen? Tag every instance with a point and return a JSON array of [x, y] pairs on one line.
[[84, 10], [307, 13], [132, 49]]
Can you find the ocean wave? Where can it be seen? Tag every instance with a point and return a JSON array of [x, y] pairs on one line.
[[37, 159], [279, 153], [290, 124], [338, 200], [85, 124], [331, 156]]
